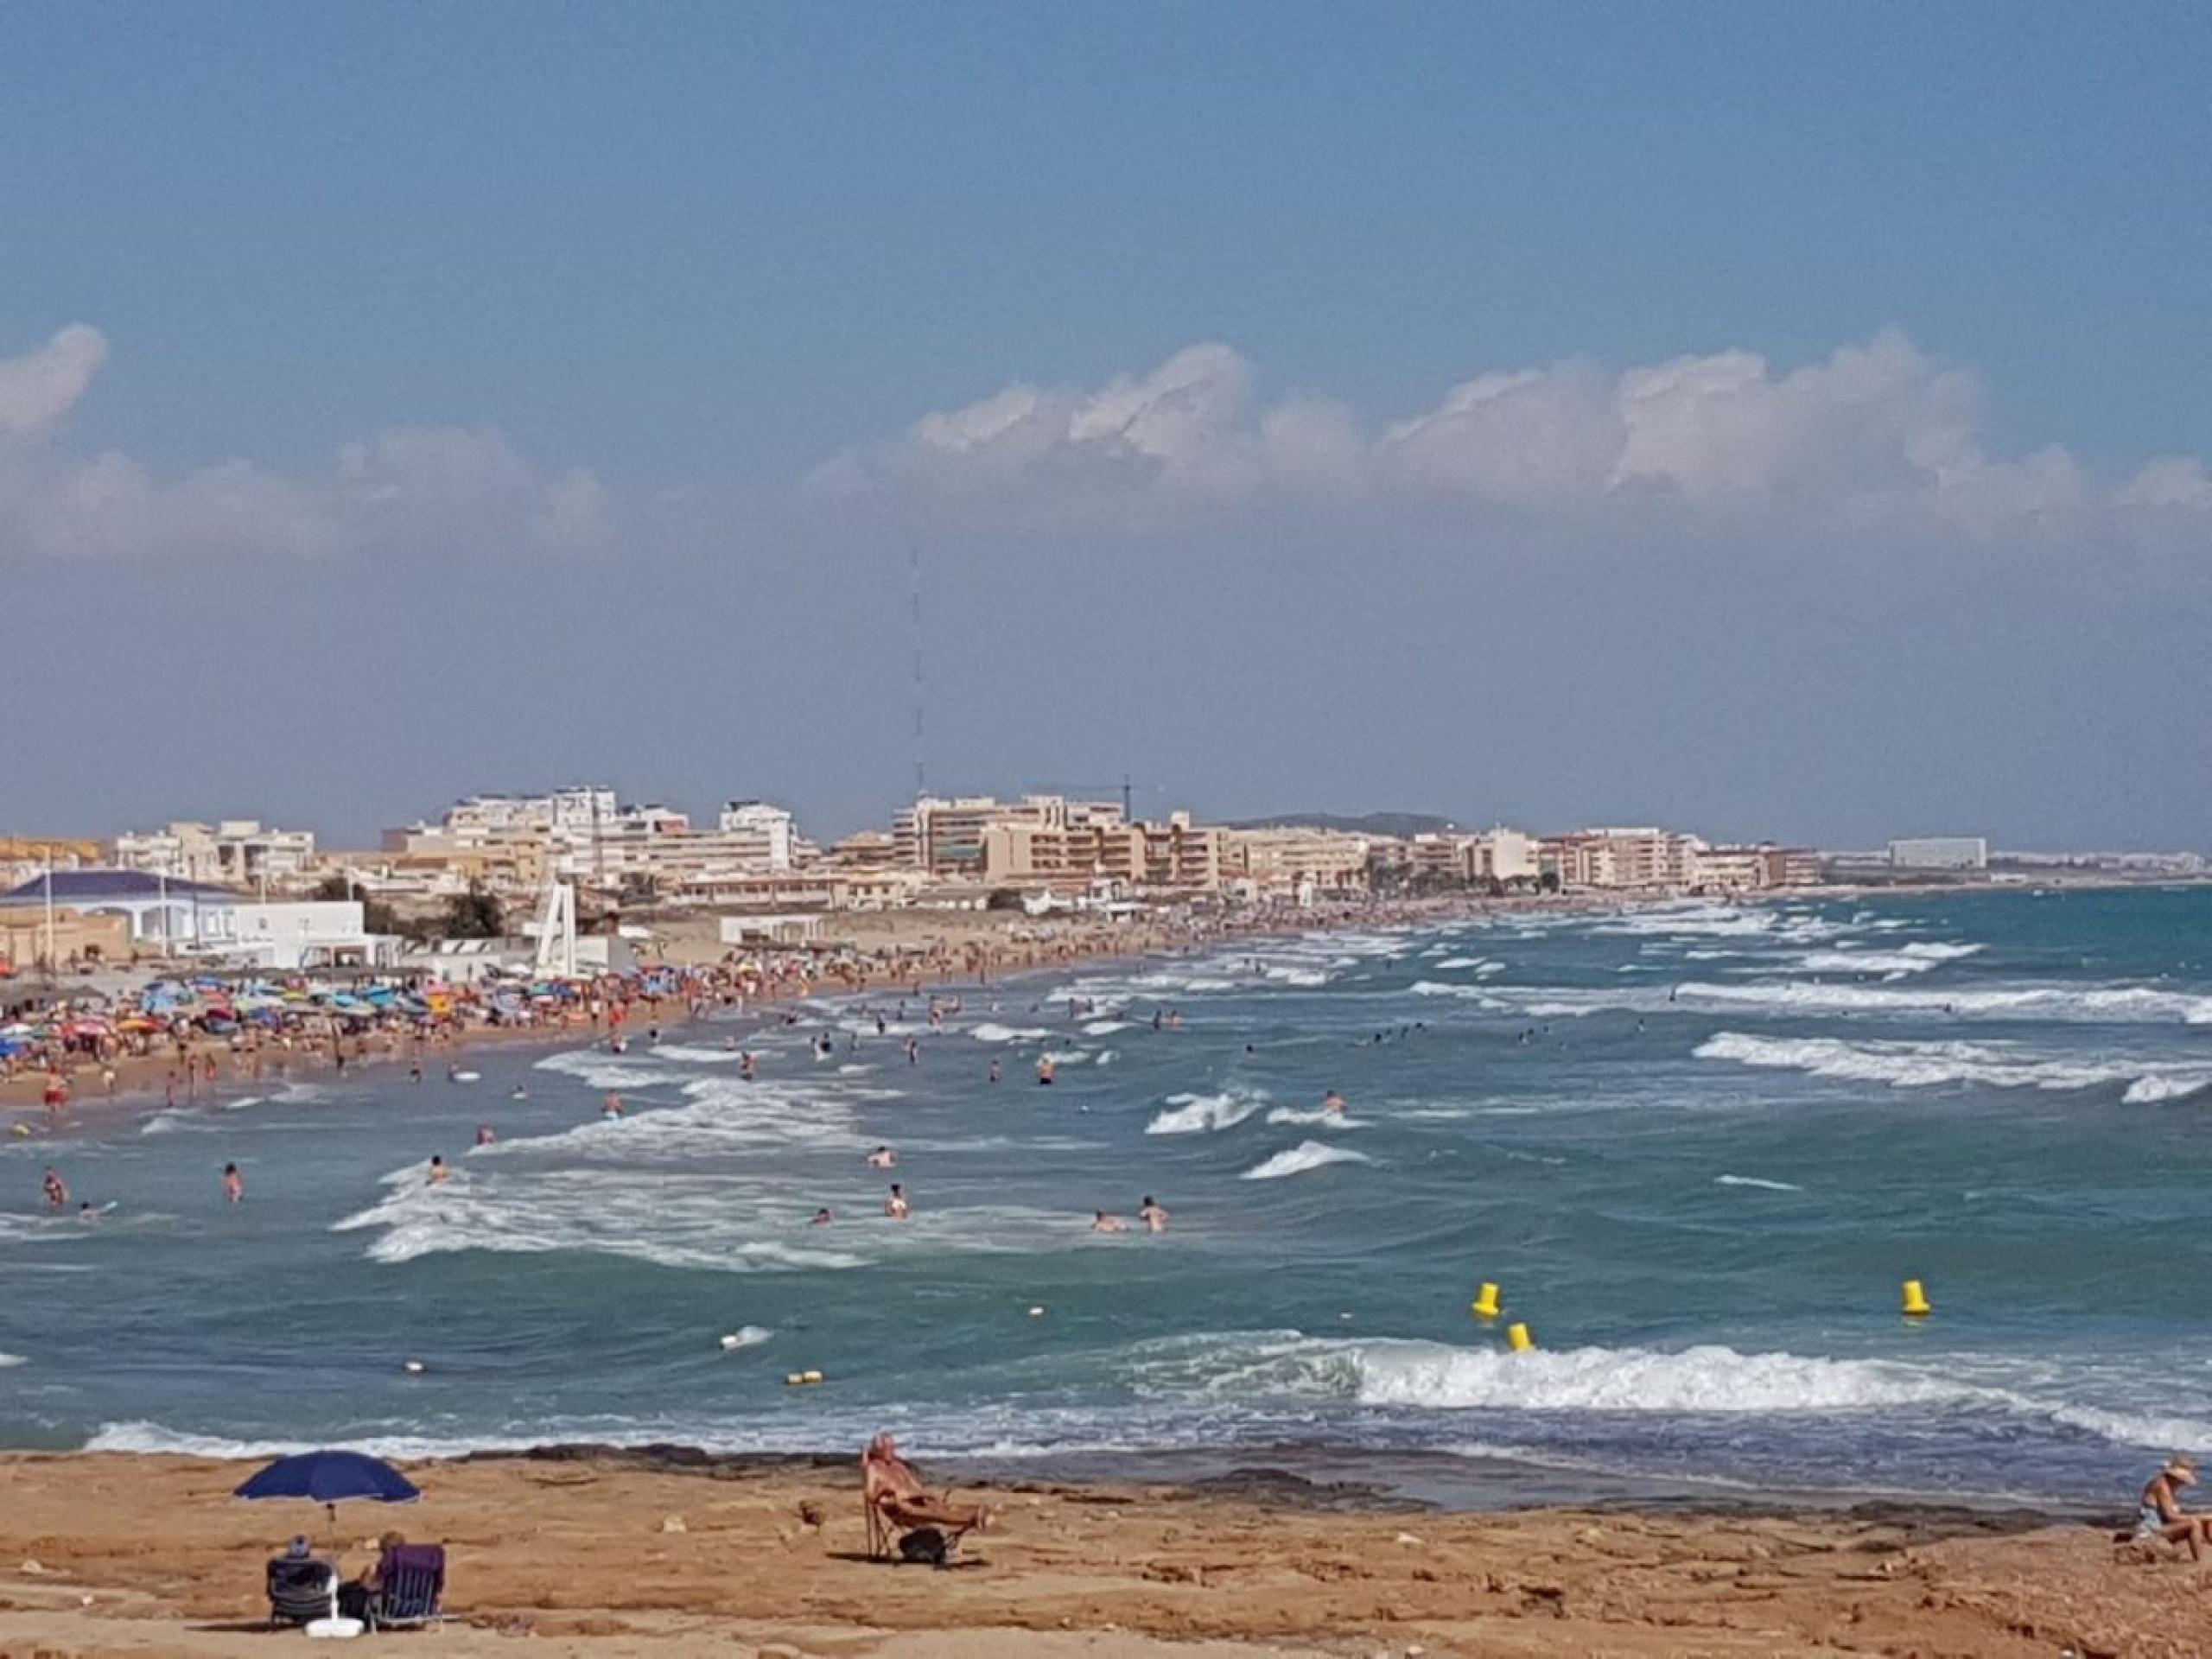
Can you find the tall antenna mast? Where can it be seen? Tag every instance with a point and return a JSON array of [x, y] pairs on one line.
[[1127, 817], [914, 594]]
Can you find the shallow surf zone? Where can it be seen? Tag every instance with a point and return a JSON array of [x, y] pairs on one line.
[[724, 1223]]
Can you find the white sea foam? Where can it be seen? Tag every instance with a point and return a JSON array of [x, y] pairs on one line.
[[1916, 958], [991, 1032], [7, 1360], [2142, 1004], [1319, 1117], [1903, 1065], [2157, 1086], [1200, 1113], [747, 1336], [1753, 1180], [1478, 994], [1306, 1154], [597, 1069], [693, 1054], [1106, 1027]]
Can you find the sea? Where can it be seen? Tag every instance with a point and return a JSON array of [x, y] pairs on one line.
[[1699, 1147]]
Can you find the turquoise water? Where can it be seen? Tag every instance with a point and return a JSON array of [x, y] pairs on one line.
[[1699, 1147]]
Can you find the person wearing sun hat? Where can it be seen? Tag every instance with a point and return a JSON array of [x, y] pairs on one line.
[[2159, 1513]]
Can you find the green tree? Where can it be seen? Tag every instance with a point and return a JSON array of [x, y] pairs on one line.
[[376, 916], [476, 914]]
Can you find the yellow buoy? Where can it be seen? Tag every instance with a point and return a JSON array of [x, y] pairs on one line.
[[1915, 1301], [1518, 1339], [1484, 1306]]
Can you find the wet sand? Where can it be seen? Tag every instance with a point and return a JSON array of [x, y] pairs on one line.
[[600, 1553]]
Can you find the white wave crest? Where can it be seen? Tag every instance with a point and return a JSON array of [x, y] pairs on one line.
[[1903, 1065], [991, 1032], [1319, 1117], [7, 1360], [1754, 1180], [1907, 959], [1107, 1027], [1306, 1154], [1202, 1114], [2142, 1004]]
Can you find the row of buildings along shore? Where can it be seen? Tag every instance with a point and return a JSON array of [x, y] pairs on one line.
[[266, 893]]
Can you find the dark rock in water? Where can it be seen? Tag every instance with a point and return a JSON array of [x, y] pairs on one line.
[[1280, 1488], [665, 1458]]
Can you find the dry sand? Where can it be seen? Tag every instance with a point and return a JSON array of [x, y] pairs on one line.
[[609, 1554]]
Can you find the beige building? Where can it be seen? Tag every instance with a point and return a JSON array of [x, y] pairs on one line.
[[1642, 856], [75, 937], [241, 852], [945, 837], [1294, 862], [1176, 853]]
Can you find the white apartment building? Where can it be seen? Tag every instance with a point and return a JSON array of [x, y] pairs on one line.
[[241, 851], [1940, 853], [758, 834]]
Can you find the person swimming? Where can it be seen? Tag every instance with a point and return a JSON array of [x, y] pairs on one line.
[[822, 1218], [438, 1171], [1102, 1222], [1333, 1101], [611, 1106], [882, 1158], [484, 1136], [896, 1207]]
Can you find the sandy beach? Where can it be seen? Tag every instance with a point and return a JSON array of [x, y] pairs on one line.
[[619, 1553]]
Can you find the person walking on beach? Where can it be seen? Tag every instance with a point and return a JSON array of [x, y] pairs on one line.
[[233, 1185]]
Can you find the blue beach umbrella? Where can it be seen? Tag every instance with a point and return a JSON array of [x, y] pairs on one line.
[[329, 1478]]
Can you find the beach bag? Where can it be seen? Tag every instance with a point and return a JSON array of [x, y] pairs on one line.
[[924, 1546]]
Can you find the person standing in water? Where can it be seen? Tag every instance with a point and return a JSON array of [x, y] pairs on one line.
[[233, 1185], [57, 1192], [438, 1172], [896, 1207], [1153, 1215], [1045, 1069]]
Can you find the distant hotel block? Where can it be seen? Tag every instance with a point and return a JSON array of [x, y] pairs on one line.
[[1940, 853]]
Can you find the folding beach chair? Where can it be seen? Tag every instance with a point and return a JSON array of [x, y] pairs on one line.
[[410, 1583]]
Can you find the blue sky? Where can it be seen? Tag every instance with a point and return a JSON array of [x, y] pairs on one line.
[[639, 312]]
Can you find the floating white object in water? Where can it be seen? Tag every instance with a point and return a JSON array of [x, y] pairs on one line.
[[412, 1367], [466, 1077], [1037, 1312]]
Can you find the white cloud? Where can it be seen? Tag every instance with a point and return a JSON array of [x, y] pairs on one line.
[[40, 387], [1875, 436], [425, 490]]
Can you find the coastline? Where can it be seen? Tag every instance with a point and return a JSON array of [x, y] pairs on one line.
[[590, 1552], [141, 1087]]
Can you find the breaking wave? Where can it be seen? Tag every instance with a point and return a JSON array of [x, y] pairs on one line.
[[1202, 1114], [1306, 1154], [1903, 1064]]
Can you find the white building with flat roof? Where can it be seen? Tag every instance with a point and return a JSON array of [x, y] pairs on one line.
[[1940, 853]]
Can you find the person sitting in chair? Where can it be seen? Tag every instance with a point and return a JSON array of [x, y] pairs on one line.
[[898, 1502], [353, 1597]]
